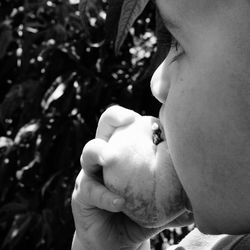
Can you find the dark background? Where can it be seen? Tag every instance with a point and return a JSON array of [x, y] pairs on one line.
[[57, 75]]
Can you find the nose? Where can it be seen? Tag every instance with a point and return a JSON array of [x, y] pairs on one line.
[[160, 82]]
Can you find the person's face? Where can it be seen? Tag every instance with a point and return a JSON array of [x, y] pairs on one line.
[[204, 87]]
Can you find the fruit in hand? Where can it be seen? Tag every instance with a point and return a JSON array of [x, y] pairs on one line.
[[142, 172]]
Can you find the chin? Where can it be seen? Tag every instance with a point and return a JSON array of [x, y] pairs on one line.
[[208, 230], [231, 228]]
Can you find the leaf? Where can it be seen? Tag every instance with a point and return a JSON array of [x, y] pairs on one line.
[[131, 9], [28, 175], [59, 97], [5, 144], [18, 230], [54, 92], [47, 230], [5, 38], [112, 20], [48, 183], [27, 132], [88, 9], [58, 32], [82, 9], [21, 103], [12, 209]]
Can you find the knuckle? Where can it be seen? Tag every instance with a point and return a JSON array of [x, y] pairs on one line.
[[86, 150], [112, 108], [83, 154], [109, 113], [79, 179], [89, 190]]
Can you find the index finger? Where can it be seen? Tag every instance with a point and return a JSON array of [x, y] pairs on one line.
[[96, 155], [91, 160], [114, 117]]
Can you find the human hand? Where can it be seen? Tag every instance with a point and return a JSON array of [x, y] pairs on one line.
[[99, 222], [92, 203], [141, 169]]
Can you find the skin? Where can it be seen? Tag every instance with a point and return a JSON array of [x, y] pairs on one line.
[[204, 91], [139, 173], [99, 214], [205, 110]]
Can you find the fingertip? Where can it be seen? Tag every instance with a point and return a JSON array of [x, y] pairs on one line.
[[91, 155], [112, 118]]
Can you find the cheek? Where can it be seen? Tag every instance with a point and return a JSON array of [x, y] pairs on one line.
[[184, 134], [207, 139]]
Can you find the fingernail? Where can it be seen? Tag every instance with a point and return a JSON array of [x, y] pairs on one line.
[[118, 203]]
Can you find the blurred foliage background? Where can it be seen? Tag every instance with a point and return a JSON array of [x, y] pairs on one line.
[[58, 73]]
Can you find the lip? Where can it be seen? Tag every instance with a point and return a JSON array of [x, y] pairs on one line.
[[188, 204], [160, 113], [161, 123]]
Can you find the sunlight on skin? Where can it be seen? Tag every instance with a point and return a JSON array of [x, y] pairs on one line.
[[203, 86], [142, 172]]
